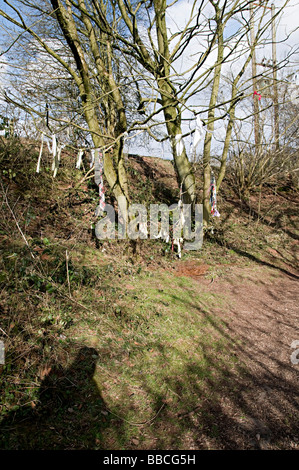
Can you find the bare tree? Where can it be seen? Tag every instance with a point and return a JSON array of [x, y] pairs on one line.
[[78, 75], [110, 53], [161, 51]]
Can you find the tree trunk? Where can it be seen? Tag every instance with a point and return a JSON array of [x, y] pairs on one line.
[[210, 127], [183, 166], [116, 177], [172, 113]]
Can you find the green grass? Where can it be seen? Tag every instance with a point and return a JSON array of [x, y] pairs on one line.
[[164, 346], [157, 341], [113, 350]]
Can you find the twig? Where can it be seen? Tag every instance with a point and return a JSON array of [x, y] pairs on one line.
[[16, 222], [67, 272], [84, 178], [144, 423], [62, 294], [4, 332]]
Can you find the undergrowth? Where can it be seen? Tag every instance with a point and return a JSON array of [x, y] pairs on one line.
[[104, 344]]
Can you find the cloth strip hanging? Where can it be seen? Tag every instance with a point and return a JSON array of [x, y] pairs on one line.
[[40, 154], [57, 159], [198, 133], [79, 159], [213, 197], [258, 94], [179, 144], [53, 149], [92, 153], [98, 178], [56, 152], [177, 242]]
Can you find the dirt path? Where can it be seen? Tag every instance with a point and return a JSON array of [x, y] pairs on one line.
[[259, 410]]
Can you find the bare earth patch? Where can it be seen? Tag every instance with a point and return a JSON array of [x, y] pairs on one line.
[[260, 408]]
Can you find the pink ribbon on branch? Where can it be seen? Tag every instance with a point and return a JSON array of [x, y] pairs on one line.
[[258, 94]]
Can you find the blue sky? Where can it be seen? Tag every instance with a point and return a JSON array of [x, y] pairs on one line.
[[179, 16]]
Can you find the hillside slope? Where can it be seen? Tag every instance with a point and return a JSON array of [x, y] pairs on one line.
[[109, 347]]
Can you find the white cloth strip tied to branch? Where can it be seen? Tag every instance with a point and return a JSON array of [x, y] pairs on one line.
[[179, 144], [164, 235], [53, 149], [198, 133], [178, 242], [79, 159], [98, 178], [181, 213], [40, 154], [92, 153], [57, 159]]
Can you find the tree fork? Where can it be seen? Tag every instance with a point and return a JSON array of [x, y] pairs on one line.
[[116, 179]]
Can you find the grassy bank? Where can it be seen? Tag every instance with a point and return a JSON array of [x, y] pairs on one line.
[[109, 348]]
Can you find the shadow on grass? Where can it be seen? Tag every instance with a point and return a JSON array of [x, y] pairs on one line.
[[218, 403], [276, 224], [209, 401], [218, 238], [231, 414], [194, 388], [70, 413]]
